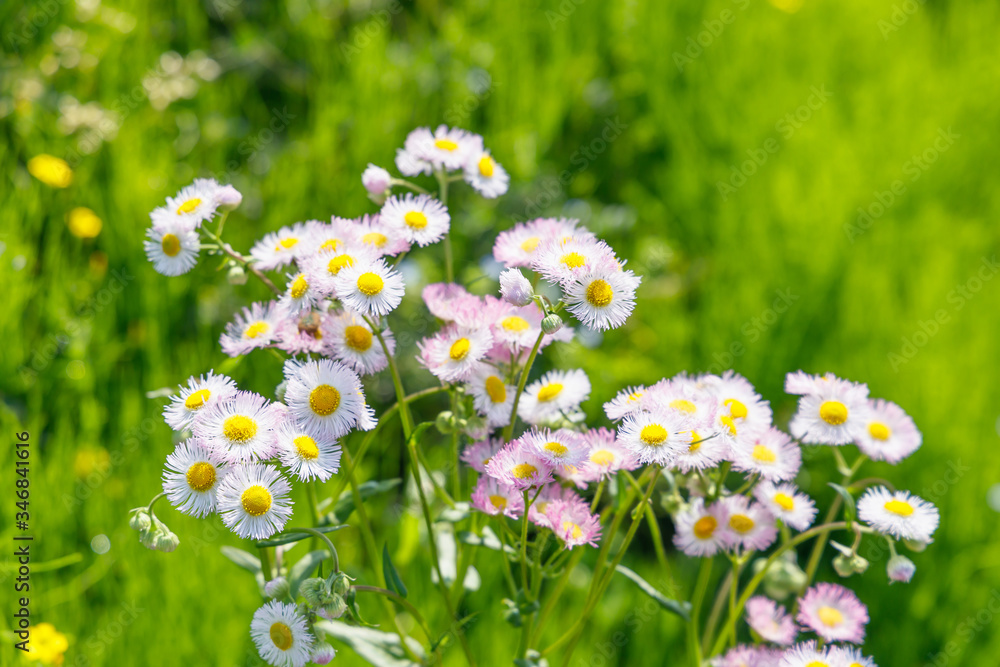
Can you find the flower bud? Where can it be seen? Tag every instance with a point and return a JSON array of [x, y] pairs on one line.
[[277, 588], [900, 568], [166, 542], [315, 591], [228, 198], [783, 578], [847, 565], [515, 288], [139, 520], [236, 275], [445, 422], [915, 546], [323, 654], [377, 182], [341, 583], [551, 324], [333, 609]]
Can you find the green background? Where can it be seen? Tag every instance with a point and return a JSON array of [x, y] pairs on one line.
[[541, 83]]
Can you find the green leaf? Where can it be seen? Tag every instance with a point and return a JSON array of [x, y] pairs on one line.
[[392, 579], [244, 559], [849, 510], [488, 540], [345, 504], [453, 515], [682, 609], [381, 649], [295, 536], [302, 569]]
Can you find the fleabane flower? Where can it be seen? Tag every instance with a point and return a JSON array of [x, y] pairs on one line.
[[377, 237], [700, 530], [560, 447], [255, 327], [605, 455], [750, 525], [889, 434], [554, 393], [560, 260], [323, 396], [200, 393], [703, 451], [900, 514], [770, 621], [254, 501], [493, 497], [327, 237], [282, 635], [603, 298], [834, 613], [370, 288], [519, 466], [740, 401], [771, 454], [302, 334], [239, 429], [444, 149], [307, 455], [520, 245], [191, 477], [454, 353], [787, 503], [323, 267], [420, 219], [573, 523], [478, 454], [831, 411], [492, 396], [172, 249], [193, 205], [807, 654], [349, 338], [514, 329], [299, 295], [851, 656], [626, 402], [515, 288], [654, 437], [485, 174], [281, 248]]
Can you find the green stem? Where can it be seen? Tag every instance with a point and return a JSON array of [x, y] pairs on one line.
[[550, 605], [329, 545], [505, 559], [265, 562], [509, 431], [397, 382], [245, 262], [449, 267], [313, 507], [704, 574], [402, 602], [713, 617], [407, 184], [732, 601]]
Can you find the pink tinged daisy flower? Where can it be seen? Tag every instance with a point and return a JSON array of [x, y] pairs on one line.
[[573, 523], [626, 402], [377, 181], [834, 613], [349, 338], [303, 334], [280, 248], [445, 149], [850, 656], [307, 455], [478, 454], [740, 400], [807, 654], [376, 237], [561, 447], [519, 466], [771, 454], [787, 503], [518, 246], [515, 288], [560, 260], [747, 656], [700, 531], [654, 437], [770, 621], [420, 219], [899, 513], [605, 455], [485, 174], [255, 327], [282, 635], [494, 498], [545, 497], [323, 396], [323, 268], [750, 526], [239, 429], [601, 299], [890, 434], [684, 397], [442, 299], [370, 288], [254, 501], [299, 296], [513, 328], [554, 393], [172, 249], [492, 397], [193, 205], [194, 399], [454, 353], [703, 451], [832, 411], [328, 237], [191, 477]]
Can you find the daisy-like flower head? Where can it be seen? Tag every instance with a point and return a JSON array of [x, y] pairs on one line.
[[832, 411], [377, 237], [328, 237], [545, 496], [787, 503], [890, 434], [603, 298], [686, 397], [851, 656], [299, 295], [770, 621], [282, 247], [834, 613], [370, 288], [239, 429], [478, 454], [807, 654], [561, 447], [193, 205], [492, 397], [519, 246], [560, 260], [771, 454], [655, 437], [700, 530], [445, 149], [454, 353], [191, 477], [750, 525], [307, 455], [740, 401], [254, 501], [171, 248], [514, 329], [302, 334], [349, 338], [323, 396], [605, 455], [493, 497], [282, 635], [573, 523], [323, 267], [626, 402], [704, 450], [485, 175], [200, 393], [443, 299], [420, 219], [746, 655], [255, 327], [519, 466], [900, 514], [554, 392], [515, 288]]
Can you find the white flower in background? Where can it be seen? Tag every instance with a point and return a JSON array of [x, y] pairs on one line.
[[281, 248], [255, 327], [193, 205], [420, 219], [831, 411], [349, 338], [554, 393], [485, 175], [172, 248], [898, 513], [492, 397]]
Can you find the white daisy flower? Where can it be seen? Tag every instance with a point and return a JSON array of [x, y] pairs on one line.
[[255, 327], [519, 246], [322, 268], [900, 514], [808, 655], [191, 477], [333, 236], [349, 339], [555, 392], [655, 437], [240, 428], [771, 454], [700, 530], [282, 635], [485, 175], [890, 434], [833, 412], [379, 238], [625, 402], [254, 501], [750, 525], [787, 503], [740, 400], [200, 393], [370, 288], [172, 249], [601, 299], [704, 451], [560, 260], [492, 397], [445, 149], [193, 205], [281, 248], [323, 396], [421, 219], [454, 353], [515, 328], [298, 296], [561, 447], [307, 455]]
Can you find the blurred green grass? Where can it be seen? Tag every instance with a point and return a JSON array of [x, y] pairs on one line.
[[350, 81]]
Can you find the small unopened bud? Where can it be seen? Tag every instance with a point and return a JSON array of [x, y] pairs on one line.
[[315, 591], [445, 422], [323, 654], [900, 568], [166, 542], [335, 608], [236, 275], [376, 181], [140, 520], [277, 588], [551, 324], [515, 288], [783, 577], [915, 546], [341, 583], [228, 198]]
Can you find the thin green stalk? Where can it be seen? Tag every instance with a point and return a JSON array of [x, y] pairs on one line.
[[597, 496], [265, 562], [449, 266], [313, 508], [550, 604], [713, 617], [524, 544], [329, 545], [246, 263], [505, 559], [704, 574], [402, 602], [509, 431], [732, 601]]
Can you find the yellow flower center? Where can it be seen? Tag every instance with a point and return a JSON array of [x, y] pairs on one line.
[[683, 406], [830, 617], [459, 349], [705, 527], [514, 323], [573, 529], [599, 293], [188, 206], [573, 260], [324, 400], [299, 286], [197, 399], [446, 144], [899, 507], [287, 243], [339, 262], [256, 329], [499, 502], [281, 635], [524, 470], [695, 443], [741, 523], [330, 244], [729, 423], [653, 435], [530, 244], [171, 245], [415, 220], [239, 428], [306, 447], [784, 501], [557, 448], [736, 408], [370, 283], [358, 338], [818, 663], [256, 500], [833, 412], [496, 389], [486, 166], [879, 431], [201, 476], [764, 454], [549, 391], [602, 457], [376, 239]]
